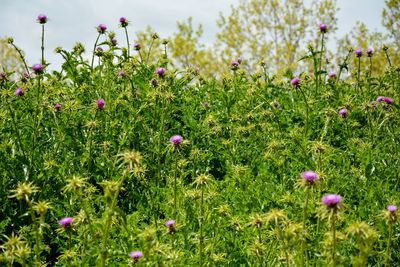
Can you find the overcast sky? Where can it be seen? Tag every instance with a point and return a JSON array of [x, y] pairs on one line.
[[75, 20]]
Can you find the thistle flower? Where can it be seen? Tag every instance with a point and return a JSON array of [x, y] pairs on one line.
[[370, 52], [160, 72], [3, 76], [332, 75], [358, 52], [391, 208], [295, 81], [205, 104], [19, 92], [380, 98], [323, 27], [170, 224], [136, 255], [154, 82], [137, 47], [343, 113], [99, 51], [42, 19], [123, 22], [309, 177], [66, 222], [121, 73], [239, 60], [37, 68], [57, 106], [176, 140], [100, 103], [234, 65], [331, 200], [101, 28], [388, 100], [114, 41]]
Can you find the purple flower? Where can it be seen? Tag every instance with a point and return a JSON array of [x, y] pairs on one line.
[[42, 19], [57, 106], [380, 98], [160, 72], [332, 75], [66, 222], [309, 176], [388, 100], [176, 140], [37, 68], [137, 47], [331, 200], [19, 92], [295, 81], [323, 27], [358, 52], [391, 208], [101, 28], [239, 60], [205, 104], [121, 73], [100, 103], [3, 76], [234, 65], [114, 41], [170, 223], [370, 52], [136, 255], [343, 112], [124, 22]]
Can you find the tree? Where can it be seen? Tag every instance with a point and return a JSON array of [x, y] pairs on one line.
[[272, 30], [391, 20]]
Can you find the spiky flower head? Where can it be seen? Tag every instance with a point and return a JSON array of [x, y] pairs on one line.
[[37, 68], [309, 178], [100, 103], [343, 112], [370, 52], [24, 191], [136, 255], [332, 75], [66, 222], [176, 140], [137, 47], [295, 81], [42, 18], [160, 72], [390, 214], [19, 92], [101, 28], [388, 100], [123, 22], [323, 27], [358, 52], [331, 200], [203, 179], [234, 65]]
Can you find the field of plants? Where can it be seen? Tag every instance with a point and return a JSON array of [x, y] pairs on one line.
[[116, 161]]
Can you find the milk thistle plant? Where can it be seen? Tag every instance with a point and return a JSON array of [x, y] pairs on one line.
[[136, 162]]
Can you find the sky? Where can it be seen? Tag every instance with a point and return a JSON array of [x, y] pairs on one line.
[[75, 20]]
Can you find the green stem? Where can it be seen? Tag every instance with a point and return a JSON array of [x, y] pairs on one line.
[[94, 51], [42, 47], [307, 112], [303, 241], [201, 243], [107, 227], [388, 245], [175, 178], [127, 42], [22, 57], [333, 230]]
